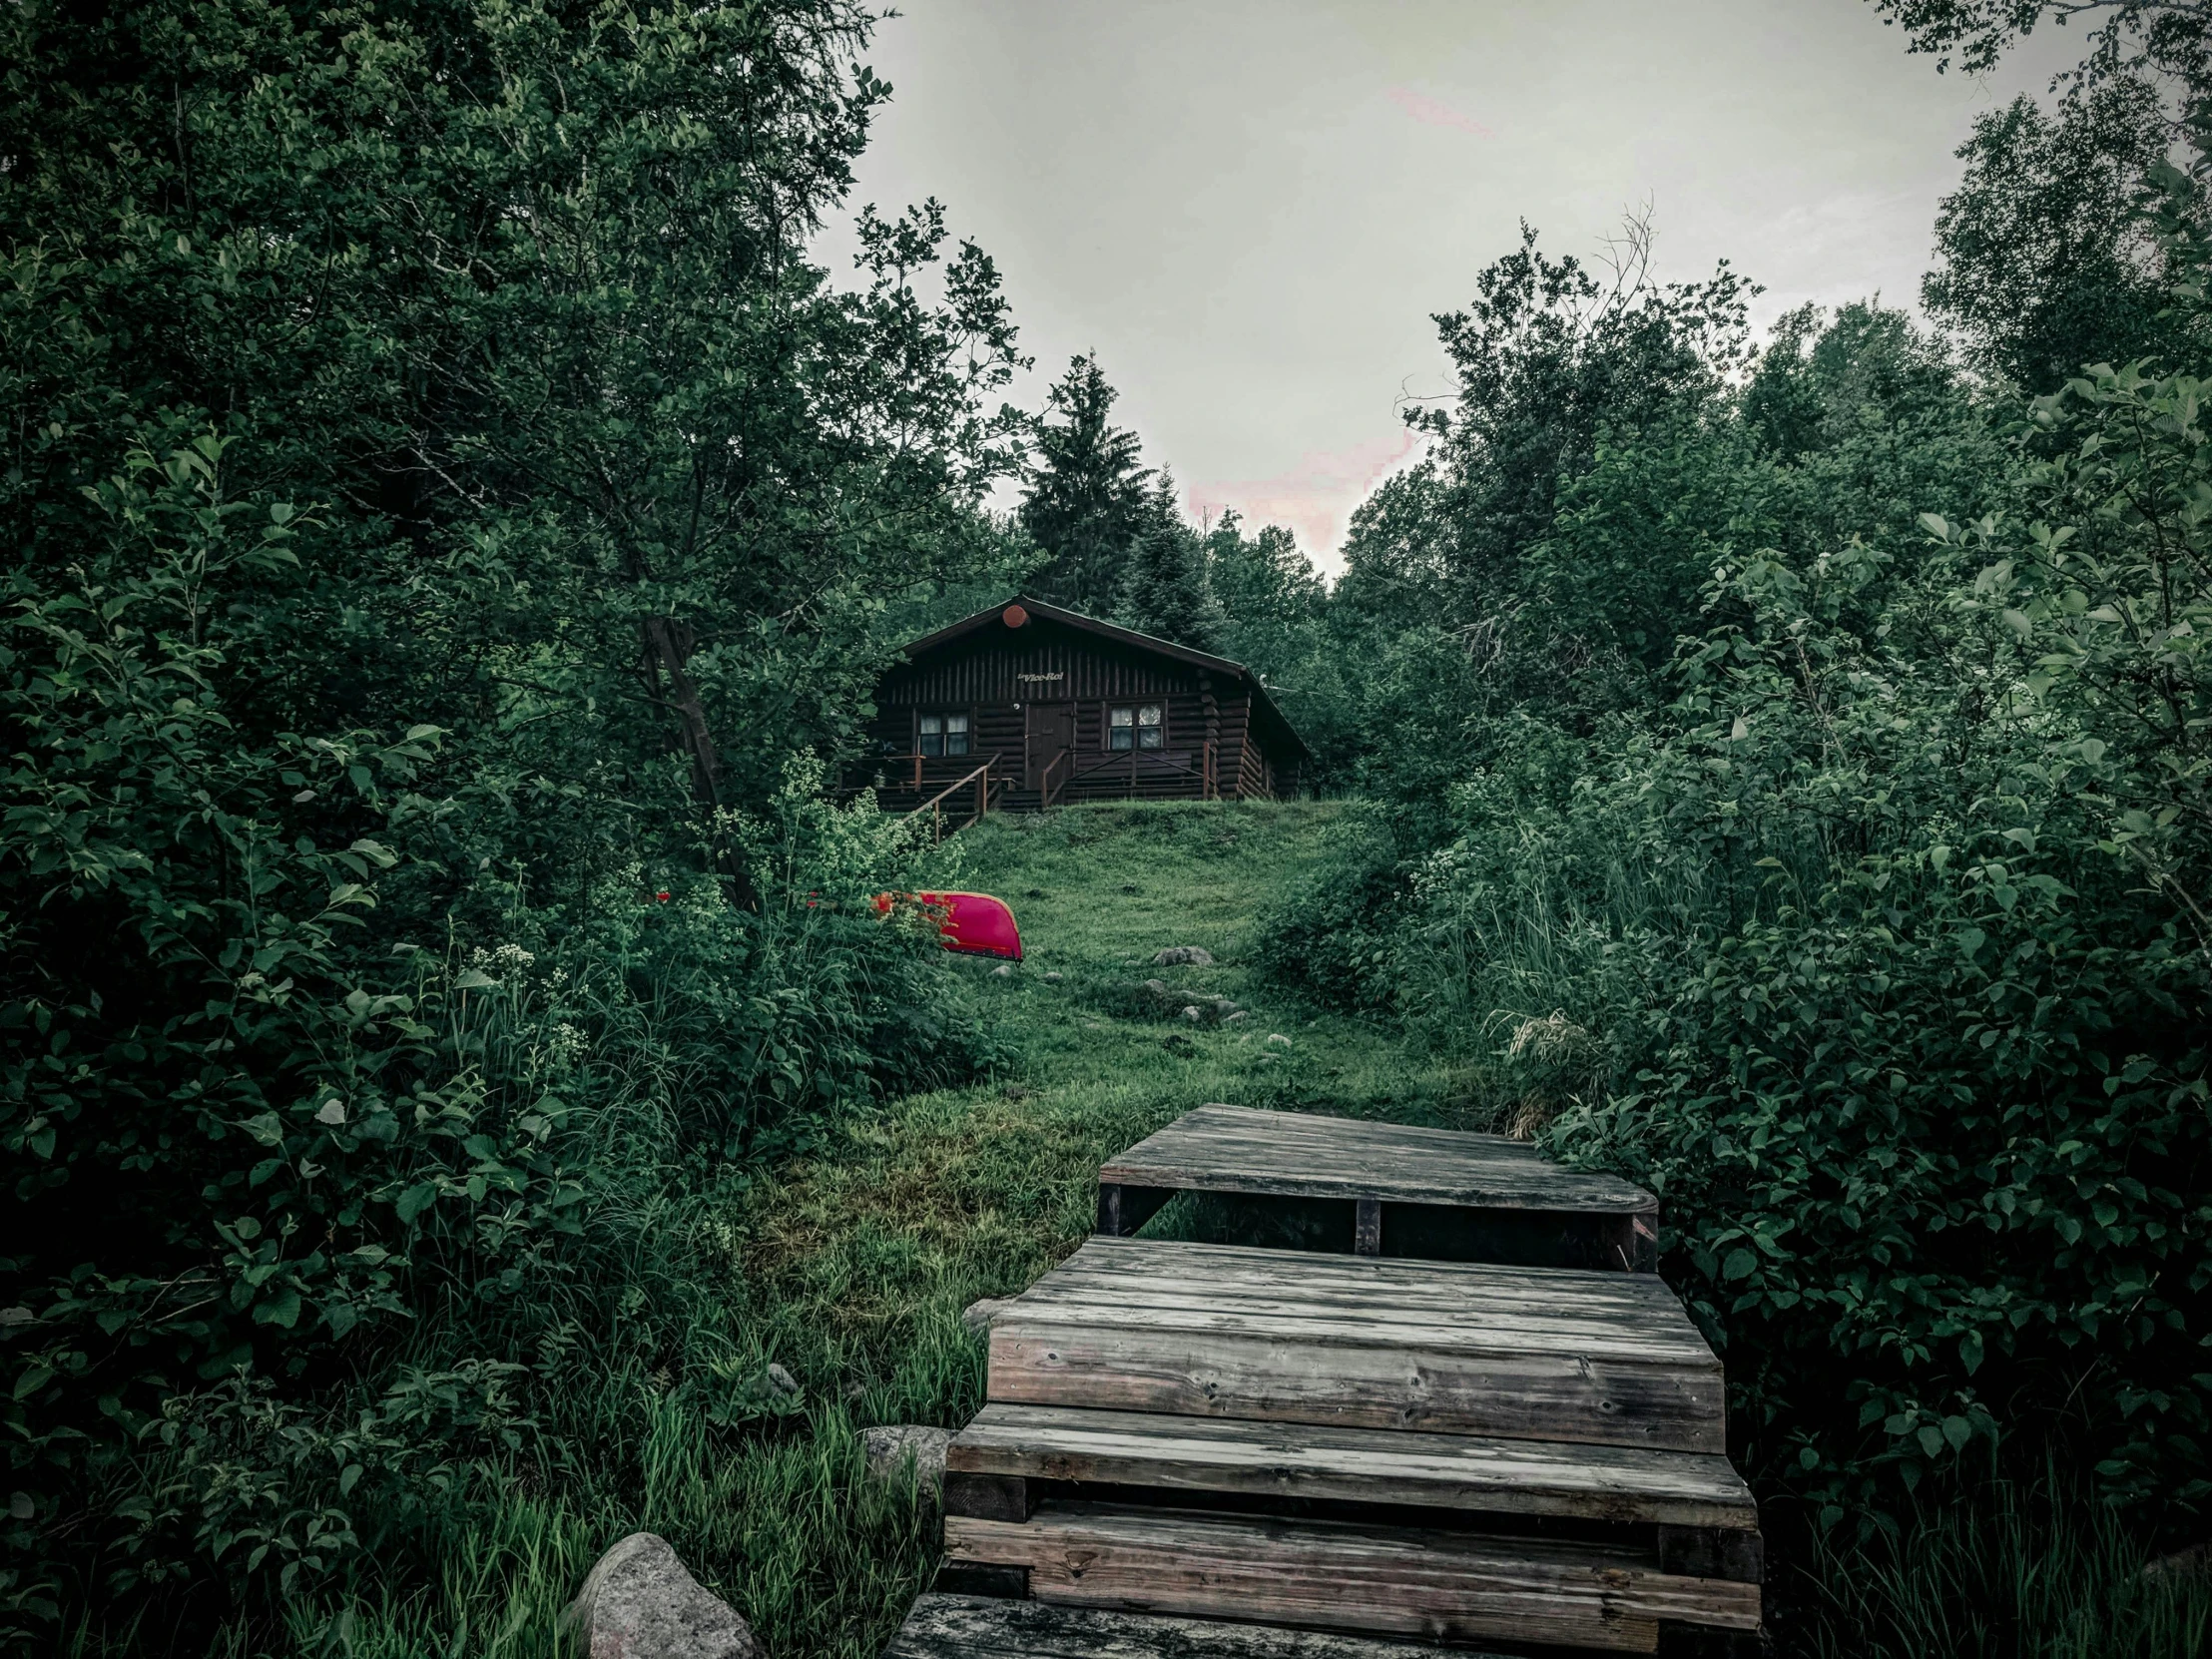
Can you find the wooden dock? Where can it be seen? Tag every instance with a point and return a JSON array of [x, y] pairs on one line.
[[987, 1627], [1363, 1443], [1403, 1191]]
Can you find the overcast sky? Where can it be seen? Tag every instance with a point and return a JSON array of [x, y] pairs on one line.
[[1250, 208]]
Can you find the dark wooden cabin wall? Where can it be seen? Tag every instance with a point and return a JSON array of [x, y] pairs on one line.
[[984, 674]]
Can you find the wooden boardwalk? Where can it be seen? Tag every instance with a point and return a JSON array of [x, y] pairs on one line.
[[1371, 1444], [988, 1627], [1409, 1191]]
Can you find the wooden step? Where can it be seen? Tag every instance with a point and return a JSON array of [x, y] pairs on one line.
[[1413, 1191], [1215, 1331], [1438, 1585], [983, 1627], [1301, 1461]]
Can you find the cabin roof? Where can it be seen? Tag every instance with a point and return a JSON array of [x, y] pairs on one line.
[[1040, 611]]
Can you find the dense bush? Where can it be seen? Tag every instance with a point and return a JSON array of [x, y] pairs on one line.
[[1815, 828], [448, 509], [1878, 947]]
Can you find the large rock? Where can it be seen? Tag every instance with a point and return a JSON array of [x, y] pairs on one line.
[[640, 1603], [1184, 955], [890, 1447], [977, 1316]]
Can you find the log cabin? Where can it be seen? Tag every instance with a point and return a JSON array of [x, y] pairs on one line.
[[1027, 706]]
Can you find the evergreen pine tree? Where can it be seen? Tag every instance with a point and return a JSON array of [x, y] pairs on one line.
[[1165, 591], [1086, 501]]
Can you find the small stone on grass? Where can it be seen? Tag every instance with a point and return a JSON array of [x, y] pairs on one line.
[[890, 1446]]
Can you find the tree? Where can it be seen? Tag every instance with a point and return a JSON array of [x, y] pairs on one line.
[[1546, 355], [1086, 503], [1264, 577], [2171, 38], [2048, 263], [445, 501], [1165, 590]]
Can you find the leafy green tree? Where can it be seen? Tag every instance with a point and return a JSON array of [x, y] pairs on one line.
[[2048, 262], [1166, 589], [1262, 578], [1398, 554], [1545, 356], [1086, 502], [446, 500], [2172, 38]]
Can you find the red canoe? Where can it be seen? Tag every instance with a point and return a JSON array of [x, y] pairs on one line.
[[974, 922]]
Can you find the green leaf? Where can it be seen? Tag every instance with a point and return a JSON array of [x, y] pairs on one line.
[[415, 1199], [282, 1308]]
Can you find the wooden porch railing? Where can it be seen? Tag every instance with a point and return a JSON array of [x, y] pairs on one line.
[[1045, 786], [934, 805], [1136, 760]]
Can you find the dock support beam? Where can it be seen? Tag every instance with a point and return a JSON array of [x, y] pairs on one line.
[[1366, 1228], [1122, 1210]]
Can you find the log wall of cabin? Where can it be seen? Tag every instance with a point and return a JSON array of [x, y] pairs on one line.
[[991, 675]]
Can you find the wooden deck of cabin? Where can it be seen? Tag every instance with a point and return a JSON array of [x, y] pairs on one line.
[[1373, 1445]]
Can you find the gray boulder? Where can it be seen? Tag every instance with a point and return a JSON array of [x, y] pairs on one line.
[[2193, 1562], [1184, 955], [890, 1446], [640, 1603], [977, 1316]]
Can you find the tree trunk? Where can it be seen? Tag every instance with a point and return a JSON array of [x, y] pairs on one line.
[[668, 648]]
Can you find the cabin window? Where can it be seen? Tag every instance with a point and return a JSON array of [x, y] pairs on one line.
[[1137, 726], [942, 735]]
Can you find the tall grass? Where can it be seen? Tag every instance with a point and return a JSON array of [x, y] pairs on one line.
[[2015, 1570]]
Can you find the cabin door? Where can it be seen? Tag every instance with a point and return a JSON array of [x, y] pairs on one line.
[[1050, 737]]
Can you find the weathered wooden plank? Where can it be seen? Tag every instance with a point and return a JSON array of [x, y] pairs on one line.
[[1220, 1332], [1229, 1287], [1700, 1494], [1241, 1150], [1526, 1328], [975, 1627], [1241, 1265], [1366, 1228], [1450, 1586], [1277, 1378]]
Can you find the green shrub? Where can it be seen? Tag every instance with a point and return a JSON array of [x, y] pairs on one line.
[[1333, 938], [1876, 997]]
